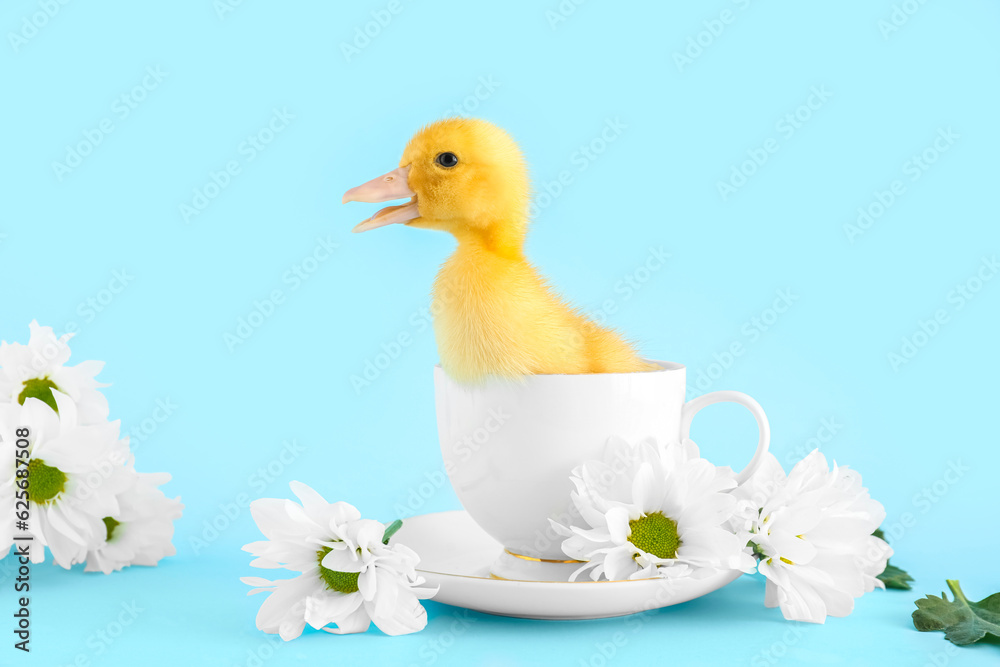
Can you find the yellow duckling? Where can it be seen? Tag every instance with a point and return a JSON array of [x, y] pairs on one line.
[[496, 316]]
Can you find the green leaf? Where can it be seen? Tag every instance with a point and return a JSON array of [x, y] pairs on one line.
[[893, 577], [390, 530], [963, 622]]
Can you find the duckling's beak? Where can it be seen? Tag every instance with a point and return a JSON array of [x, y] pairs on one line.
[[394, 185]]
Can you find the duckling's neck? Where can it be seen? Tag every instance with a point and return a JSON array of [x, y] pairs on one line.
[[503, 240]]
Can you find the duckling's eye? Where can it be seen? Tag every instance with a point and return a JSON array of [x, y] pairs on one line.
[[446, 159]]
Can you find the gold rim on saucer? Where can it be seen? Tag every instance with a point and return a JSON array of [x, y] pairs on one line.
[[541, 560]]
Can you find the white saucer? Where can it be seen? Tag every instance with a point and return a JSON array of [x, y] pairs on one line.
[[456, 554]]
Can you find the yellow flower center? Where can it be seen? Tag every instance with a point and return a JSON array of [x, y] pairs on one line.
[[40, 388], [655, 534], [44, 482], [342, 582]]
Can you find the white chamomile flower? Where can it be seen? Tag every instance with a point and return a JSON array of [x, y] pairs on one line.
[[35, 369], [141, 533], [813, 533], [654, 511], [349, 576], [75, 473]]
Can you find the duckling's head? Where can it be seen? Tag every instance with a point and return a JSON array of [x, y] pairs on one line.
[[465, 176]]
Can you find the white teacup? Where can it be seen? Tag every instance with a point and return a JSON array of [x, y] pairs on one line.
[[509, 447]]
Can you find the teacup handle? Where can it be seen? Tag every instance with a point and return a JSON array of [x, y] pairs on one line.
[[692, 407]]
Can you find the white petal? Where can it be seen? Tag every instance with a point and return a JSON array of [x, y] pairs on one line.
[[617, 519], [407, 616], [257, 581], [792, 548], [385, 594], [368, 533], [353, 623], [342, 560], [647, 490], [618, 563], [368, 583], [330, 607], [305, 493], [283, 612]]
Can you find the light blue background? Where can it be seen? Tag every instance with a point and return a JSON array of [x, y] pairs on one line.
[[554, 88]]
